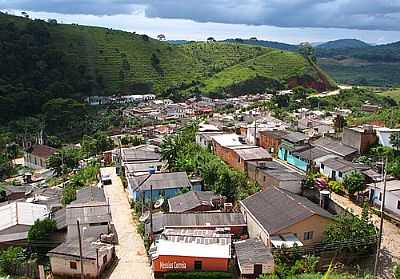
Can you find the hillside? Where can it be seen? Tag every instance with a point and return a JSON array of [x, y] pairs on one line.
[[270, 44], [343, 43], [45, 61], [373, 65]]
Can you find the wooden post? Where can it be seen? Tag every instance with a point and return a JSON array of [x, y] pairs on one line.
[[80, 249]]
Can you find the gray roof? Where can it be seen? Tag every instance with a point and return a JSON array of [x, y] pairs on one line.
[[254, 153], [343, 165], [278, 134], [276, 209], [334, 146], [284, 175], [9, 189], [60, 217], [160, 181], [139, 154], [195, 220], [252, 251], [295, 137], [267, 165], [191, 200], [312, 153], [90, 193], [71, 248]]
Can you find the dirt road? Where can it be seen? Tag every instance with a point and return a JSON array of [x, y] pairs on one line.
[[133, 262]]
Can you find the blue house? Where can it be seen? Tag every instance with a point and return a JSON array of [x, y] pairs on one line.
[[162, 184], [291, 144]]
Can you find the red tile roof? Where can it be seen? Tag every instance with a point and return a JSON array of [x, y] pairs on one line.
[[42, 151]]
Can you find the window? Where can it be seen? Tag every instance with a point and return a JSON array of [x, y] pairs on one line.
[[104, 259], [72, 265], [322, 166], [264, 178], [333, 174], [340, 174], [308, 235], [380, 196], [197, 265], [398, 204]]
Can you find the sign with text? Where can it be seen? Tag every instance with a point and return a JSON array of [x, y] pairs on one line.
[[172, 265]]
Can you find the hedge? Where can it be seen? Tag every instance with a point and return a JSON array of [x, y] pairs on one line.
[[199, 275]]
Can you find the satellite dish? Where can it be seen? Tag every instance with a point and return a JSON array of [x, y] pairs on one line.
[[159, 203], [144, 217]]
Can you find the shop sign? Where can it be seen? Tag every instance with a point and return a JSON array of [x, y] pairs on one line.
[[172, 265]]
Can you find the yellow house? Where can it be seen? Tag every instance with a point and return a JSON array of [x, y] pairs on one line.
[[276, 213]]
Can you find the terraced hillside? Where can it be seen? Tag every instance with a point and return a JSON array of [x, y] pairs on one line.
[[127, 62]]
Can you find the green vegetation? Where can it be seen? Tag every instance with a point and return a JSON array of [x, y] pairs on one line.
[[39, 234], [394, 93], [352, 233], [12, 257], [183, 154], [354, 182]]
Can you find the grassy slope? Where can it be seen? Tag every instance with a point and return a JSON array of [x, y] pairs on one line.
[[122, 59], [393, 93]]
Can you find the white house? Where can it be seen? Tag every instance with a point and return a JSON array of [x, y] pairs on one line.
[[384, 134], [392, 198], [337, 168]]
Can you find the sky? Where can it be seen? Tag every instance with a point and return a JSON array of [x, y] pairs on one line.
[[290, 21]]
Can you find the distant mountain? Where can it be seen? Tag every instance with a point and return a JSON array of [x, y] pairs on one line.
[[343, 43], [270, 44]]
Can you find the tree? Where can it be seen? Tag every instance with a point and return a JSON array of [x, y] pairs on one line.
[[394, 167], [307, 51], [41, 230], [161, 37], [354, 182], [11, 258], [65, 160], [353, 232], [396, 271], [211, 40], [395, 140]]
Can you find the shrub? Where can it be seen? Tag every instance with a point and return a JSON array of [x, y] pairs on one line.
[[397, 271], [335, 186], [199, 275], [354, 182], [12, 257]]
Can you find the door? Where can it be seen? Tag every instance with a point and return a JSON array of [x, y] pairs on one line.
[[371, 195], [257, 269]]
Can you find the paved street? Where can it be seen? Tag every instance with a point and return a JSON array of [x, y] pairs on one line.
[[391, 235], [133, 262]]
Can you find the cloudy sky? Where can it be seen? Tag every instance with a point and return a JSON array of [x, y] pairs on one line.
[[291, 21]]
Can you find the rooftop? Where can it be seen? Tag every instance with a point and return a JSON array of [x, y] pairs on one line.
[[42, 151], [195, 220], [256, 153], [312, 153], [252, 251], [343, 165], [294, 137], [140, 153], [160, 181], [392, 186], [276, 209], [191, 200], [227, 140], [334, 146]]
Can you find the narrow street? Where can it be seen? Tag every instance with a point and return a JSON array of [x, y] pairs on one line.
[[391, 235], [132, 260]]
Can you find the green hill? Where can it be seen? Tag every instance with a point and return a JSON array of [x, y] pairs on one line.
[[43, 61], [343, 43]]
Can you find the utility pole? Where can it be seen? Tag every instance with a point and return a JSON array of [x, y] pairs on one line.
[[151, 210], [378, 248], [255, 131], [80, 249]]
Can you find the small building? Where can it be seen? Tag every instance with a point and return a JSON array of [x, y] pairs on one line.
[[336, 147], [291, 142], [97, 256], [383, 134], [275, 212], [359, 138], [161, 184], [204, 139], [253, 258], [37, 155], [16, 219], [392, 198], [195, 201], [182, 250], [338, 168], [273, 174], [370, 108], [270, 140], [16, 192], [232, 223]]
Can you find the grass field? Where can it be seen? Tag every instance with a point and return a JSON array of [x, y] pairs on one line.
[[393, 93]]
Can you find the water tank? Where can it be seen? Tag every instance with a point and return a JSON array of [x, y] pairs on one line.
[[324, 199], [152, 170]]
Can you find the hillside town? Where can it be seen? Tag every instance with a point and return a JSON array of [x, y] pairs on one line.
[[217, 186]]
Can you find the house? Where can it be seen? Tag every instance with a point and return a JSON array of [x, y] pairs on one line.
[[336, 147], [270, 140], [370, 108], [183, 250], [273, 174], [13, 193], [140, 160], [92, 210], [195, 201], [204, 139], [276, 212], [392, 196], [233, 223], [253, 258], [36, 156], [229, 147], [293, 141], [16, 219], [97, 256], [359, 138], [338, 168], [160, 184]]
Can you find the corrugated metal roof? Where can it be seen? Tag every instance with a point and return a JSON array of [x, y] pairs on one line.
[[334, 146], [190, 200], [253, 251], [21, 213], [253, 153], [160, 181]]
